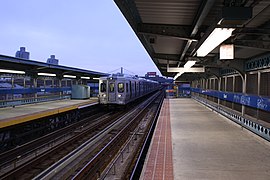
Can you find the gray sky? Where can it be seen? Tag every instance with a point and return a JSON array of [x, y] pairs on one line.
[[87, 34]]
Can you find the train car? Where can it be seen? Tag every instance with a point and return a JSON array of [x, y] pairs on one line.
[[121, 89]]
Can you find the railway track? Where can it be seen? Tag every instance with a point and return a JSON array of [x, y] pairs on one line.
[[10, 156], [96, 161], [69, 158], [14, 162]]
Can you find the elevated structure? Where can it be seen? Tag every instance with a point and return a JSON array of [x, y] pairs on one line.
[[222, 48], [184, 39], [174, 32]]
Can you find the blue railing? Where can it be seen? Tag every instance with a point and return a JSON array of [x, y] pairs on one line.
[[254, 126], [33, 90], [18, 102], [254, 101]]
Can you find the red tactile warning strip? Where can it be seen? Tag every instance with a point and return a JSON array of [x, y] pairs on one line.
[[159, 164]]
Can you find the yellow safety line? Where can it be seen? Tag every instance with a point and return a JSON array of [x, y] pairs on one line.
[[25, 118]]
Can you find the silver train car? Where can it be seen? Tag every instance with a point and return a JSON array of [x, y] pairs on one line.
[[121, 89]]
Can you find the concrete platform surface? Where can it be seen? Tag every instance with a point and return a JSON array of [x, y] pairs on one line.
[[10, 116], [208, 146]]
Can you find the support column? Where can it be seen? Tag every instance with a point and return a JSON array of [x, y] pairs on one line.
[[24, 82], [258, 92], [24, 86], [233, 89], [219, 87], [12, 86], [60, 85], [244, 91], [35, 85], [225, 83]]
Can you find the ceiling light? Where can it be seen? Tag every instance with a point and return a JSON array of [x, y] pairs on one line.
[[213, 40], [11, 71], [96, 78], [177, 75], [85, 77], [46, 74], [189, 64], [69, 76]]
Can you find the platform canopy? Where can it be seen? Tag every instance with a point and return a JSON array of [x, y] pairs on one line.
[[173, 31], [32, 68]]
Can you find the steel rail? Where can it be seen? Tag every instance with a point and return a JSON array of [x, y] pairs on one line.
[[28, 148], [20, 169], [143, 151], [95, 163]]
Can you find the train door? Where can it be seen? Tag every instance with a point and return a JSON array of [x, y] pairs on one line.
[[127, 91], [130, 85], [111, 91], [135, 87], [139, 89]]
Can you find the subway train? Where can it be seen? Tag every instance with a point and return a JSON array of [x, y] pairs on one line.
[[120, 89]]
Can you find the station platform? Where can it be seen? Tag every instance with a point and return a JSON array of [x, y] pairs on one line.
[[193, 142], [11, 116]]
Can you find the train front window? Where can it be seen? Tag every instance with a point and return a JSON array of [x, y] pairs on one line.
[[120, 87], [103, 87], [111, 87]]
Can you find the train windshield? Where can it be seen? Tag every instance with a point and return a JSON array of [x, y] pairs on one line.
[[120, 87], [111, 87], [103, 87]]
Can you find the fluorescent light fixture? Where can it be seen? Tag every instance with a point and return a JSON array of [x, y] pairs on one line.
[[85, 77], [213, 40], [96, 78], [189, 64], [46, 74], [11, 71], [69, 76], [178, 74]]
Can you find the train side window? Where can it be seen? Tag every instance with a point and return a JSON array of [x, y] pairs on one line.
[[121, 87], [103, 87], [127, 87], [111, 87]]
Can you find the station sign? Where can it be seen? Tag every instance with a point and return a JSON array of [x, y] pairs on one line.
[[151, 74], [226, 51]]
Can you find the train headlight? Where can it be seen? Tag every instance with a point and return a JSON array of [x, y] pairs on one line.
[[119, 95], [103, 95]]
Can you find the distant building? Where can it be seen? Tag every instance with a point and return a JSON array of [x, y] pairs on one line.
[[153, 76], [22, 53], [52, 60]]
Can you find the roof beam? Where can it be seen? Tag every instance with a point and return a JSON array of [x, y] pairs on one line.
[[129, 10], [175, 31], [253, 45], [173, 57], [203, 11], [253, 31]]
